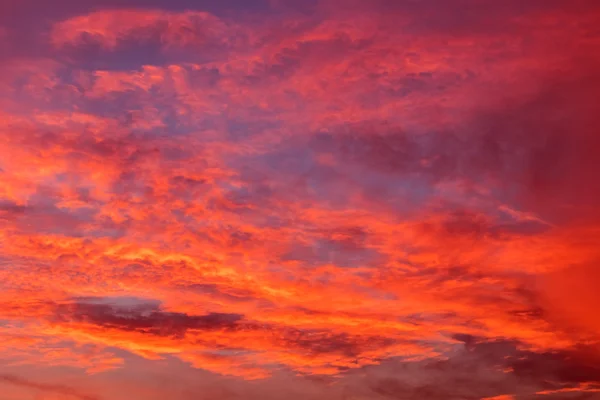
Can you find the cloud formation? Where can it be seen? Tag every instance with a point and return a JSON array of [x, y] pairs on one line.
[[303, 200], [109, 28]]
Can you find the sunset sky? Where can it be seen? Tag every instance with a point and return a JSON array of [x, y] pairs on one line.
[[299, 199]]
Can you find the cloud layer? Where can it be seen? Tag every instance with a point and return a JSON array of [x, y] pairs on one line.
[[304, 200]]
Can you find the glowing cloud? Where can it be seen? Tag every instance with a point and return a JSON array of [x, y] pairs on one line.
[[303, 200]]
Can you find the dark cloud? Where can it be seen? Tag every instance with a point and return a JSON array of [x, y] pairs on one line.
[[185, 182], [479, 370], [145, 317]]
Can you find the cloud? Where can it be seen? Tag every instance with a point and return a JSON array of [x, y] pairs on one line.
[[110, 28], [391, 200], [148, 319]]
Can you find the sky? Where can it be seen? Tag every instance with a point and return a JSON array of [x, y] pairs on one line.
[[299, 199]]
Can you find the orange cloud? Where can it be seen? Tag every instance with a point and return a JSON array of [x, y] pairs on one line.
[[328, 202]]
